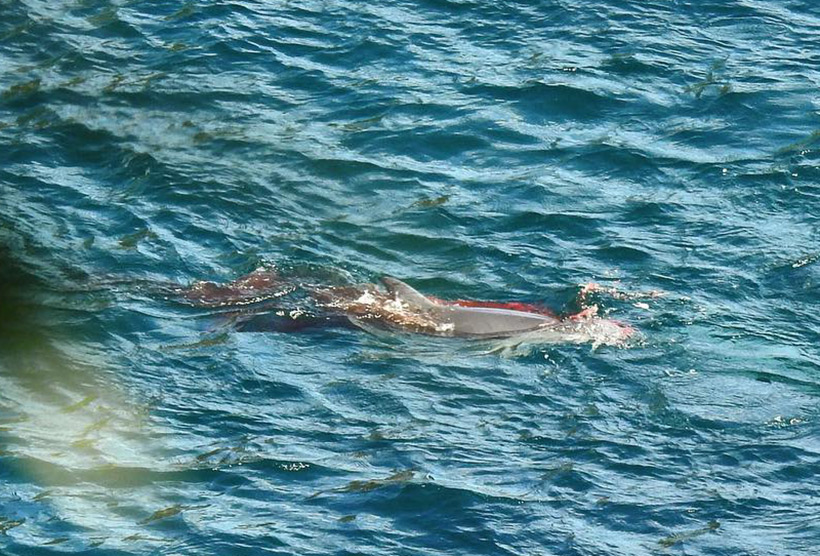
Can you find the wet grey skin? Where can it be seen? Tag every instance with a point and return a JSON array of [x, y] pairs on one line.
[[484, 322]]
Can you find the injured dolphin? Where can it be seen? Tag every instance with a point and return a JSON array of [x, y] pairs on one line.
[[394, 305]]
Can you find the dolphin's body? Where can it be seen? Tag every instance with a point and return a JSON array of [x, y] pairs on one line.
[[397, 306], [464, 321]]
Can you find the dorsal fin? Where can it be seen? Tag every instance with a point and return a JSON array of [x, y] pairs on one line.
[[405, 293]]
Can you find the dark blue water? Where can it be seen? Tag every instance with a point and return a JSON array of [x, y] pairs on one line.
[[481, 150]]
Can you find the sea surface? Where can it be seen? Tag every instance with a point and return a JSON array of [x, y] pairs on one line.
[[489, 150]]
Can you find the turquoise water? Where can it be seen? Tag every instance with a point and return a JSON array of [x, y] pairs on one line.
[[481, 150]]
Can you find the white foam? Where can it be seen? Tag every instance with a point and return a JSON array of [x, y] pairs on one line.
[[366, 298]]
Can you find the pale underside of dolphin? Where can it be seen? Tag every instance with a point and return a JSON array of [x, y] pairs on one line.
[[462, 321]]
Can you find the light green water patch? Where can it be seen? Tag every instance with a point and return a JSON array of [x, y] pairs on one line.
[[83, 444], [9, 423], [71, 430], [97, 425], [85, 402]]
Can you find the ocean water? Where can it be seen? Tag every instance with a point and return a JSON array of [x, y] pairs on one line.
[[506, 151]]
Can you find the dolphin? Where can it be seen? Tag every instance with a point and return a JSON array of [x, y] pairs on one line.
[[395, 305]]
